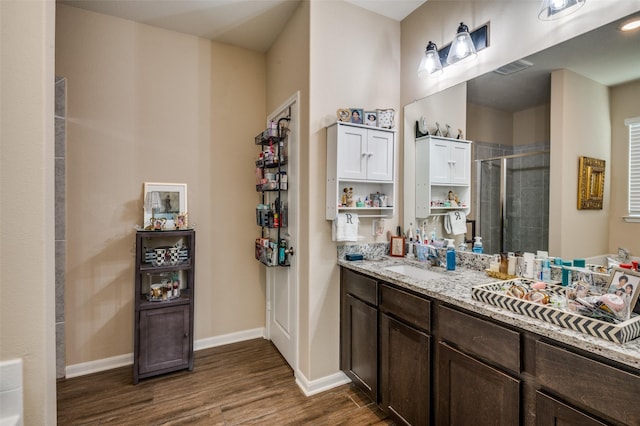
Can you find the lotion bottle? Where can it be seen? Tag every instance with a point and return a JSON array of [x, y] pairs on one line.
[[451, 256]]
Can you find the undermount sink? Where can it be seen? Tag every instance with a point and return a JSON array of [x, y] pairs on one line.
[[414, 272]]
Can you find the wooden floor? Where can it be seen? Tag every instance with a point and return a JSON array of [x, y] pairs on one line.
[[242, 383]]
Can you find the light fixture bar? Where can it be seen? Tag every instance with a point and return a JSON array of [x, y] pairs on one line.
[[479, 37]]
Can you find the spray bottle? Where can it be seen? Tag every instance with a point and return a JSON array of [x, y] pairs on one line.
[[451, 255]]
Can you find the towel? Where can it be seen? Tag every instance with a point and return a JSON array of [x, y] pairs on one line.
[[345, 227], [455, 222]]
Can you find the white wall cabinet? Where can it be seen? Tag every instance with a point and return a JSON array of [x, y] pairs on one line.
[[362, 158], [442, 165]]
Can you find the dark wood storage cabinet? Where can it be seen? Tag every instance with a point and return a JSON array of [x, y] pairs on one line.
[[359, 331], [405, 356], [164, 319]]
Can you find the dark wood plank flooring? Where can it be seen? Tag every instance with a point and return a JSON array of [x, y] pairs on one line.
[[237, 384]]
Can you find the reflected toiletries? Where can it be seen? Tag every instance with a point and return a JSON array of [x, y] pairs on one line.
[[477, 245]]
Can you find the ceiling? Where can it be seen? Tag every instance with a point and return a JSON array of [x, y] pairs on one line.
[[251, 24], [605, 55]]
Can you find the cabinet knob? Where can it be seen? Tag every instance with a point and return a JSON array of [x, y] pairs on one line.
[[289, 251]]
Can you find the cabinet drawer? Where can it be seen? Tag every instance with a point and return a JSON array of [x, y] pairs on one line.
[[589, 384], [360, 286], [410, 308], [476, 336]]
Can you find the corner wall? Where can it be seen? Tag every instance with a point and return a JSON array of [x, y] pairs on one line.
[[27, 285], [150, 105], [580, 126]]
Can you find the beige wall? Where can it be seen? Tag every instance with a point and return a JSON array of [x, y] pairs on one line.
[[531, 126], [27, 284], [624, 104], [287, 73], [355, 62], [146, 104], [491, 125], [579, 126], [438, 21]]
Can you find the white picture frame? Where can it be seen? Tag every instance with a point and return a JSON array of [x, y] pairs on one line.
[[173, 197]]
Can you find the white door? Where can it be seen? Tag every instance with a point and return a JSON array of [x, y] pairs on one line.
[[282, 282], [439, 161], [460, 163]]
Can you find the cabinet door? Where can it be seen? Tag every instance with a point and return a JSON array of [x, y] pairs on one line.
[[473, 393], [359, 352], [379, 155], [439, 161], [404, 372], [164, 338], [551, 412], [352, 153], [460, 162]]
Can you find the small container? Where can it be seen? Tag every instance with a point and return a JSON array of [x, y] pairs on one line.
[[477, 245], [566, 273]]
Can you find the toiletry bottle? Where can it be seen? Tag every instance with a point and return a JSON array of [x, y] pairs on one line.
[[433, 236], [451, 256], [546, 270], [477, 245]]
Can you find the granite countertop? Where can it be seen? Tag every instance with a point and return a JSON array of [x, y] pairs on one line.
[[455, 288]]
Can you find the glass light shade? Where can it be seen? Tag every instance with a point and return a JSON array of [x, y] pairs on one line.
[[462, 46], [430, 63], [556, 9]]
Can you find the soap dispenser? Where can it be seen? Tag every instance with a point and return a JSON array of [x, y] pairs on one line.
[[451, 255], [477, 245]]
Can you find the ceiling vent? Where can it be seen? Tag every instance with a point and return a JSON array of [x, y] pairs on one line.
[[513, 67]]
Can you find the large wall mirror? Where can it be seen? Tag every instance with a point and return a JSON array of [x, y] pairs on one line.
[[507, 116]]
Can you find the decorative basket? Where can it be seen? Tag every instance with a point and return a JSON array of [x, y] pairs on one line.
[[493, 294]]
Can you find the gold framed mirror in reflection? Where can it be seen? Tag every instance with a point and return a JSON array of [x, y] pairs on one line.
[[590, 183]]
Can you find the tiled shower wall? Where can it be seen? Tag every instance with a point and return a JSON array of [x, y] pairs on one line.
[[60, 231], [527, 198]]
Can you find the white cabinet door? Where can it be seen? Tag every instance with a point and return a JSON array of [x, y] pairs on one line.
[[450, 162], [379, 155], [352, 153], [439, 161], [460, 161]]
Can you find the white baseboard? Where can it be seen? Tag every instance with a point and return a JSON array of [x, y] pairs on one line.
[[103, 364], [225, 339], [312, 387]]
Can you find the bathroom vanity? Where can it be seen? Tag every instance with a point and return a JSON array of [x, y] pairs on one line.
[[428, 353]]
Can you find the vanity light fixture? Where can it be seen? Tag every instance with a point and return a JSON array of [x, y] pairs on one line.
[[462, 46], [556, 9], [430, 63], [465, 45]]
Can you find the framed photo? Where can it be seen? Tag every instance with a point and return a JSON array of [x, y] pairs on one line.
[[385, 118], [371, 118], [626, 284], [356, 115], [162, 203], [590, 183], [396, 248]]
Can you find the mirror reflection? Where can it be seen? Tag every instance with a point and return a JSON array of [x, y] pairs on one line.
[[508, 119]]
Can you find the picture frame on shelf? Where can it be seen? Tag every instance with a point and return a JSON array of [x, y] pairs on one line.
[[356, 115], [590, 183], [162, 203], [396, 247], [626, 284], [371, 118], [385, 118]]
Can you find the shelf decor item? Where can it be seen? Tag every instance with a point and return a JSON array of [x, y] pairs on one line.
[[385, 118], [162, 202], [371, 118]]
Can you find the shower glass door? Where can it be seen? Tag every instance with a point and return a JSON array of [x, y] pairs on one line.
[[514, 202]]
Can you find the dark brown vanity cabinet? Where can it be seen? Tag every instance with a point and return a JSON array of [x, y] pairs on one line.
[[405, 356], [163, 302], [477, 363], [359, 331]]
